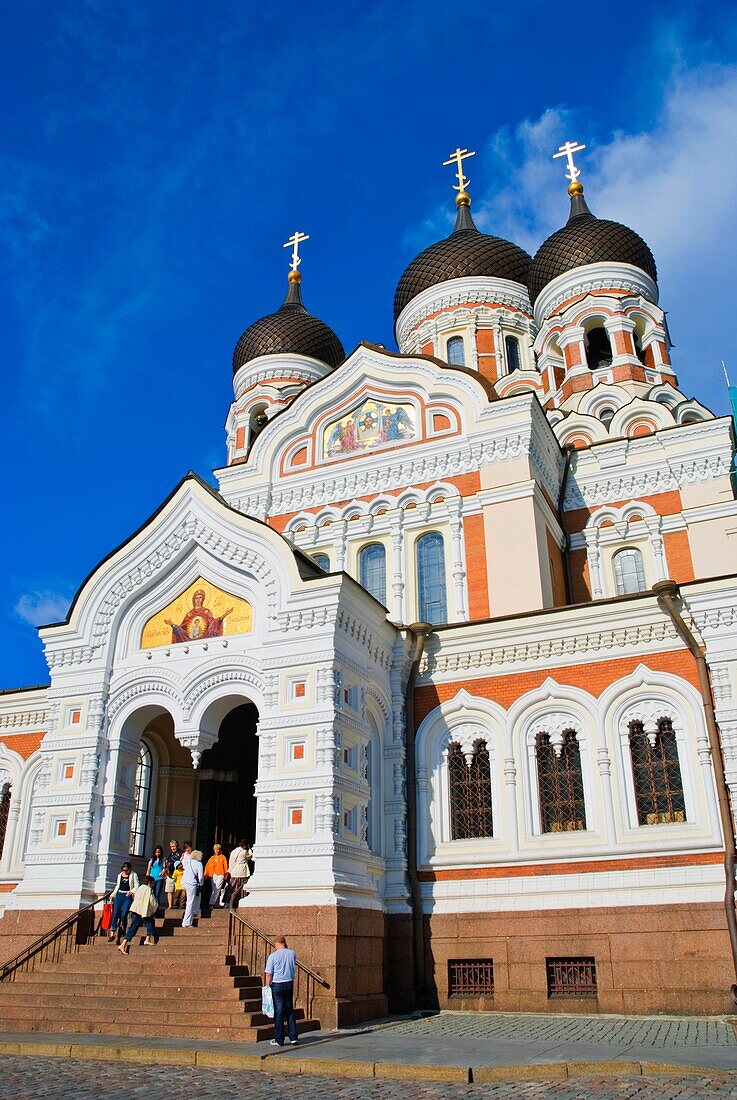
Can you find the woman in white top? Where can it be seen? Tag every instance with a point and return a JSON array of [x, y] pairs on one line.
[[192, 880]]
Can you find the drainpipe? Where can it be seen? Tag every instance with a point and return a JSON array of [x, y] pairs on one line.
[[667, 592], [568, 450], [419, 632]]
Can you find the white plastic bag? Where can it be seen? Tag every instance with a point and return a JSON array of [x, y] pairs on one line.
[[267, 1001]]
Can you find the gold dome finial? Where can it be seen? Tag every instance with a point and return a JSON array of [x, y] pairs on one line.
[[462, 198], [294, 242], [567, 151]]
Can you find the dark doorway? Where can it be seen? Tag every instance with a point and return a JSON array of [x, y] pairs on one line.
[[226, 810]]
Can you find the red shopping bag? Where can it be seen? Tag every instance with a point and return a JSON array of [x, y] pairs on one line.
[[107, 916]]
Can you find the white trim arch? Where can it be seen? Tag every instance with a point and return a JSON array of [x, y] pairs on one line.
[[16, 770], [648, 695], [465, 718], [555, 707]]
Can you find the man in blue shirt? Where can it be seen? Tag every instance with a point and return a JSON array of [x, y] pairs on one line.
[[279, 974]]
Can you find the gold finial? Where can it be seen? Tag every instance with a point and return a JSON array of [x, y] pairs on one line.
[[294, 242], [573, 172], [462, 198], [294, 277]]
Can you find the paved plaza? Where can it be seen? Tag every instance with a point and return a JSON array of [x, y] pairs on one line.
[[450, 1054], [71, 1079]]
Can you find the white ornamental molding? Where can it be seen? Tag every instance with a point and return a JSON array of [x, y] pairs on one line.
[[555, 723], [590, 279], [318, 491], [242, 676], [143, 687], [536, 652], [715, 619], [189, 530], [662, 480], [460, 292], [649, 713], [24, 720]]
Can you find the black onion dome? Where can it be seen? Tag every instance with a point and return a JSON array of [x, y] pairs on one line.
[[291, 330], [586, 239], [466, 252]]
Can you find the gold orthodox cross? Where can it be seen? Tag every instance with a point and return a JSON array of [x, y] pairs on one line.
[[294, 241], [458, 158]]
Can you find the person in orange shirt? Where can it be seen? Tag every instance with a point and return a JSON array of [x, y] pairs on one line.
[[216, 869]]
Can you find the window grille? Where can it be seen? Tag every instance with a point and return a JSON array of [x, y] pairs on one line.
[[560, 783], [657, 774], [139, 820], [323, 561], [455, 351], [629, 572], [471, 978], [511, 346], [372, 570], [5, 794], [470, 792], [571, 977], [430, 552]]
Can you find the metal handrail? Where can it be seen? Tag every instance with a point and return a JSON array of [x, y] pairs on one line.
[[50, 942], [254, 954]]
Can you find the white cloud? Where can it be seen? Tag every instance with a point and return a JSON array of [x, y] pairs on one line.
[[42, 607]]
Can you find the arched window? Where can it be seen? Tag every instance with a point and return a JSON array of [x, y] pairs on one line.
[[139, 821], [455, 352], [323, 561], [629, 573], [598, 348], [6, 791], [657, 774], [606, 415], [560, 783], [470, 792], [372, 570], [511, 346], [256, 422], [432, 602]]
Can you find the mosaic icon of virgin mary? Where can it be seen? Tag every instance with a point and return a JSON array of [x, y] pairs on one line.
[[199, 622]]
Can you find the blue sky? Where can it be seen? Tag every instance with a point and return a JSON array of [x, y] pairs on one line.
[[154, 157]]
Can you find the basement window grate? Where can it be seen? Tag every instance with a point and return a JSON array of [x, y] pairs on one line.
[[471, 978], [571, 977]]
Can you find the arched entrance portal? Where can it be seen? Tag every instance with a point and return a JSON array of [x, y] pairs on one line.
[[226, 809]]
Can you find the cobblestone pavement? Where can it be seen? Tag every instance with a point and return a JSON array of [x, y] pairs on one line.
[[657, 1032], [52, 1078]]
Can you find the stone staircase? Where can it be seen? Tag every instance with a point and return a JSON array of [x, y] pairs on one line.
[[185, 986]]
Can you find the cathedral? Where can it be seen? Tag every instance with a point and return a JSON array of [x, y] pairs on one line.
[[453, 643]]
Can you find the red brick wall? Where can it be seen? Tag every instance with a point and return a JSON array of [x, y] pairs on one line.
[[594, 677]]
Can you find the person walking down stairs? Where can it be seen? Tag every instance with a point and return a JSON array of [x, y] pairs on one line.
[[192, 881], [239, 871], [122, 898], [141, 912], [216, 870]]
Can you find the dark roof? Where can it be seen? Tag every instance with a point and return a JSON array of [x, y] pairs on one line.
[[291, 330], [466, 252], [586, 239]]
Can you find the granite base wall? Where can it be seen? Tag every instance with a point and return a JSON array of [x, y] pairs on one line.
[[669, 959], [345, 946], [20, 927]]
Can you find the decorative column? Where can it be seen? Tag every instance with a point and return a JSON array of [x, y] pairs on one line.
[[654, 526], [396, 522], [455, 514], [591, 535]]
